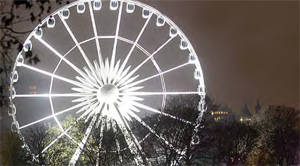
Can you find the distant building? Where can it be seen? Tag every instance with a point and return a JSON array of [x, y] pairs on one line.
[[257, 108], [32, 89], [245, 114], [258, 113], [224, 113]]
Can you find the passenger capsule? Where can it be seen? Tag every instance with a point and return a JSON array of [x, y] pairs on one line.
[[38, 32], [183, 44], [12, 92], [146, 13], [12, 110], [80, 8], [200, 89], [27, 46], [195, 140], [130, 8], [14, 126], [65, 13], [20, 60], [197, 74], [51, 22], [113, 5], [97, 4], [160, 21], [192, 59], [173, 32], [14, 76]]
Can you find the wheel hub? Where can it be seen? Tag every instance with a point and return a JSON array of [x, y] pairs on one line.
[[108, 93]]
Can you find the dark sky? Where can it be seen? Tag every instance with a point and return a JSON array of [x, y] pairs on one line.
[[248, 50]]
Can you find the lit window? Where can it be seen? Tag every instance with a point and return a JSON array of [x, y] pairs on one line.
[[32, 87]]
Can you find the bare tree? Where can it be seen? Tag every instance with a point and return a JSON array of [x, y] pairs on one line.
[[174, 146], [18, 19], [279, 139]]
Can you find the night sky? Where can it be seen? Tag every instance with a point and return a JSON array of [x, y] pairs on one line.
[[249, 51]]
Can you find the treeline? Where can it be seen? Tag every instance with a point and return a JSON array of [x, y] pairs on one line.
[[271, 139]]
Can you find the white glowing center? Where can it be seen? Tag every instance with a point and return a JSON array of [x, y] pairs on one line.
[[108, 93]]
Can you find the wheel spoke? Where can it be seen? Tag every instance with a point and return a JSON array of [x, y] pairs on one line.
[[93, 109], [55, 118], [153, 76], [59, 113], [62, 134], [152, 131], [159, 112], [63, 58], [114, 127], [133, 46], [72, 139], [56, 95], [100, 138], [149, 57], [116, 35], [158, 93], [95, 34], [125, 82], [88, 62], [56, 76], [131, 89], [83, 142], [136, 149]]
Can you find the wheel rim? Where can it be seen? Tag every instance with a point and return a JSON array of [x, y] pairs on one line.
[[103, 86]]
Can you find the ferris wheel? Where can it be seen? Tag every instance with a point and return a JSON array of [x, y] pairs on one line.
[[118, 59]]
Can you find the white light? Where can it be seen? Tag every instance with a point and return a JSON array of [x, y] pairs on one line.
[[55, 76], [80, 8], [113, 5], [108, 94], [14, 76], [183, 44], [20, 60], [146, 13], [173, 32], [160, 21], [14, 126], [51, 22], [27, 46], [12, 110], [38, 32], [12, 92], [202, 107], [197, 74], [195, 140], [65, 13], [200, 89], [97, 5], [130, 8], [192, 59], [153, 76]]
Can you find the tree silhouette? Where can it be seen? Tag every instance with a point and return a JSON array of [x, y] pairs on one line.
[[279, 139], [18, 19], [11, 150]]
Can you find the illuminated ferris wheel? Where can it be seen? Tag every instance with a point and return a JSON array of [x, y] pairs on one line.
[[117, 59]]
